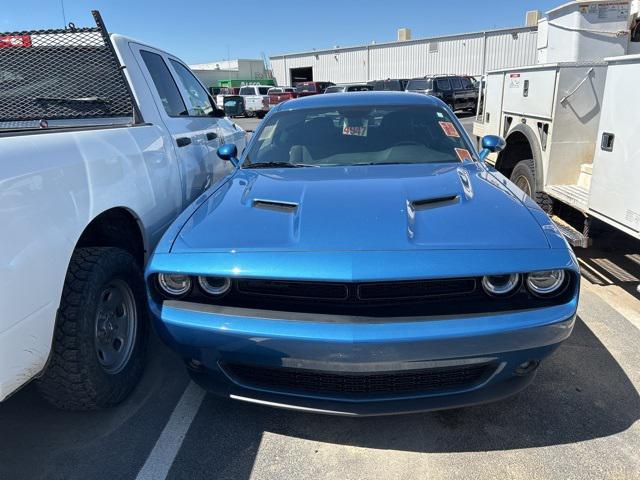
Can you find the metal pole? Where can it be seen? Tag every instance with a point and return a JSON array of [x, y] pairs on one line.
[[64, 16], [137, 113]]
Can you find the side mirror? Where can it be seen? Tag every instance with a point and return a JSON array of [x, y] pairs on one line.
[[491, 144], [229, 152], [218, 113]]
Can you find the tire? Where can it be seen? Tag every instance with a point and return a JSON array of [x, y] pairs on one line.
[[523, 175], [82, 374]]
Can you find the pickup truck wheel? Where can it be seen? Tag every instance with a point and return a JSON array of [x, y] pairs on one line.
[[101, 332], [523, 176]]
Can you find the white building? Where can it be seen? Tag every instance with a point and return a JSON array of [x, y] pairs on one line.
[[467, 53], [242, 69]]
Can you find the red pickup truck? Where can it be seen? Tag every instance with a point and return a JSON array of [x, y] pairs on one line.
[[281, 94]]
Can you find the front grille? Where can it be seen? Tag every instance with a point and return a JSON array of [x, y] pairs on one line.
[[363, 301], [279, 288], [359, 384], [422, 289], [357, 292]]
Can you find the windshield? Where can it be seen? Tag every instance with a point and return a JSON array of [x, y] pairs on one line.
[[309, 87], [358, 136], [334, 90]]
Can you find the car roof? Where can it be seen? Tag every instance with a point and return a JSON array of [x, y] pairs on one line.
[[362, 99]]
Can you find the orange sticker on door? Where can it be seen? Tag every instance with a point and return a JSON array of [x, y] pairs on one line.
[[463, 154], [449, 129]]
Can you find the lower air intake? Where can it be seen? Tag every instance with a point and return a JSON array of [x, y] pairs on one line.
[[359, 384]]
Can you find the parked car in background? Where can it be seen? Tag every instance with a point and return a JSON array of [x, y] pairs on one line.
[[305, 89], [351, 87], [354, 264], [456, 91], [389, 85], [96, 165], [278, 95], [256, 100], [226, 92]]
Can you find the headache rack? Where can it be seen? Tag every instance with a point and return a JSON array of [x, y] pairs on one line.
[[63, 78]]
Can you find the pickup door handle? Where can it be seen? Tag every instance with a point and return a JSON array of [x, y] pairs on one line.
[[211, 136], [607, 142], [183, 141]]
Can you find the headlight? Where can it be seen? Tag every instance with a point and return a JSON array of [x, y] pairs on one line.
[[214, 285], [174, 284], [501, 285], [545, 283]]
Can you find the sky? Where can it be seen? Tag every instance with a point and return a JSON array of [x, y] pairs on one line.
[[199, 31]]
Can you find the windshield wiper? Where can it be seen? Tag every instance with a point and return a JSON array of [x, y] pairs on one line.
[[277, 165], [71, 99]]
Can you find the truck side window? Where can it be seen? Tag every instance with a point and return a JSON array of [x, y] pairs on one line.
[[199, 101], [443, 84], [165, 84]]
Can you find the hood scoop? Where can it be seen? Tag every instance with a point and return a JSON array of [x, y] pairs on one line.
[[429, 203], [275, 205]]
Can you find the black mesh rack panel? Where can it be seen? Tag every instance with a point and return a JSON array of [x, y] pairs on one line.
[[70, 73]]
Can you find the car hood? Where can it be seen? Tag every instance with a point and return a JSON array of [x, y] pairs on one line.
[[360, 208]]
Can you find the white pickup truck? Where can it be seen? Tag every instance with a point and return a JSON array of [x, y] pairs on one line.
[[256, 99], [103, 142]]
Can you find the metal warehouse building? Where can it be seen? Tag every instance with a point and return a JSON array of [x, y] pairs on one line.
[[467, 53]]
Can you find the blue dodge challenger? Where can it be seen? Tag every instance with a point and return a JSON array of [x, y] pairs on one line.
[[361, 259]]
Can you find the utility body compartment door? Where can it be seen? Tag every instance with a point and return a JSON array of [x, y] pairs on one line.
[[530, 92], [615, 192]]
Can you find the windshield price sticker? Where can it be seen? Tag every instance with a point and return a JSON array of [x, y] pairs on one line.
[[356, 129], [449, 129], [463, 154]]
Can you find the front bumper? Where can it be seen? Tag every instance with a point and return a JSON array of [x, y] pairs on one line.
[[215, 336]]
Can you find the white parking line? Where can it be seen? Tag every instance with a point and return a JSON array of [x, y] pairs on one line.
[[168, 445]]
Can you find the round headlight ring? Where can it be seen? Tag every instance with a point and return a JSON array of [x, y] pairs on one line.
[[215, 285], [174, 284], [546, 283], [501, 285]]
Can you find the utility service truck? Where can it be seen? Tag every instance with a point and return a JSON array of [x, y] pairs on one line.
[[103, 142], [571, 122]]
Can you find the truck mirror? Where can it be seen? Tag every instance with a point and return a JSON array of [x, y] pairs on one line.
[[491, 144], [218, 113], [229, 152]]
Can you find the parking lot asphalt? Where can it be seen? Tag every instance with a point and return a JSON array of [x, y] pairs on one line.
[[579, 419]]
